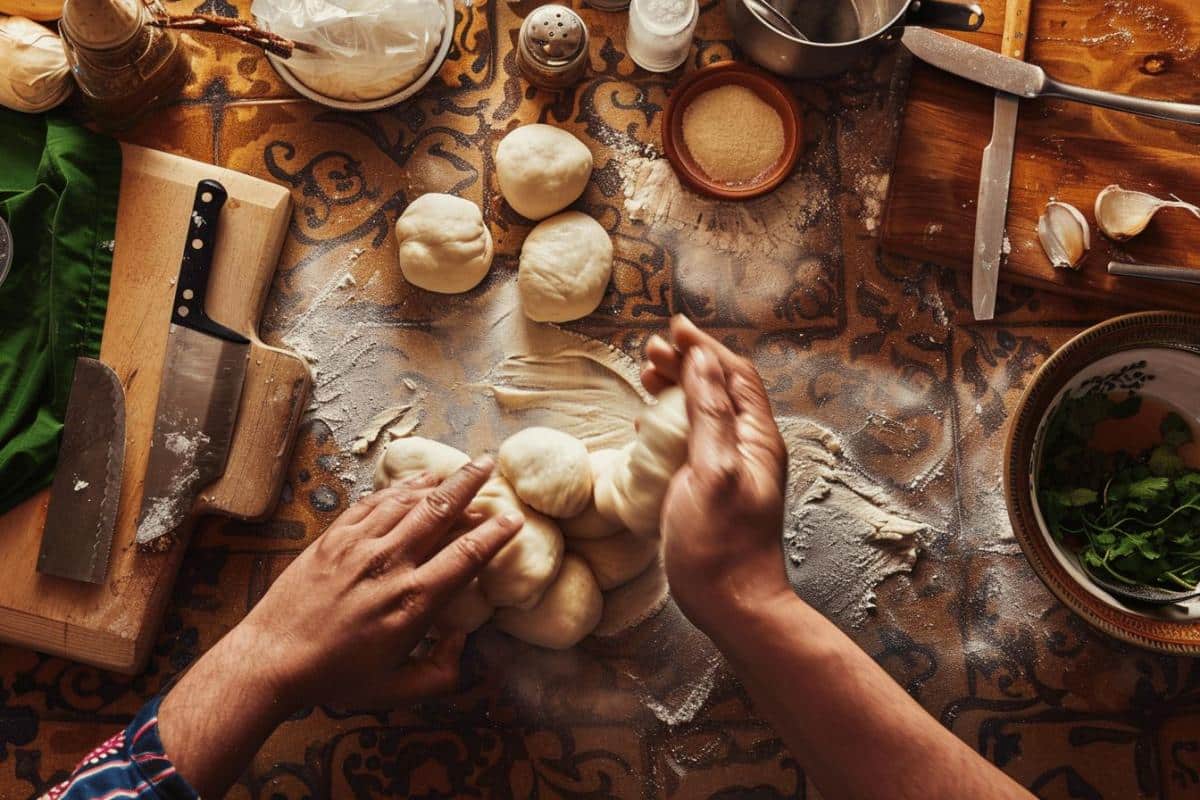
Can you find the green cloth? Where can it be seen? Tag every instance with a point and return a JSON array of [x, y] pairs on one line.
[[58, 193]]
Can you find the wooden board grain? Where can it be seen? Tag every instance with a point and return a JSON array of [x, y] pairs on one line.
[[112, 625], [1064, 151]]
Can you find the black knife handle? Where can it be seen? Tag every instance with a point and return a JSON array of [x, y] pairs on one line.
[[196, 264]]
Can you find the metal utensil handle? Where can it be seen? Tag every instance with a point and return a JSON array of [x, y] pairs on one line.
[[1143, 106], [1158, 272], [196, 264], [941, 14]]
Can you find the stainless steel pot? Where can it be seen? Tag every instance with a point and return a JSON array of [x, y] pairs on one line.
[[838, 33]]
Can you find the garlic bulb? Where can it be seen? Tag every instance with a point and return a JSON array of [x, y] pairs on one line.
[[1065, 234], [34, 74], [1123, 213]]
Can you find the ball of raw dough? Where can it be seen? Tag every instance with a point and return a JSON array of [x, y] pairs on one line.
[[548, 469], [521, 571], [590, 523], [634, 491], [413, 454], [565, 265], [568, 611], [616, 559], [443, 244], [466, 611], [542, 169]]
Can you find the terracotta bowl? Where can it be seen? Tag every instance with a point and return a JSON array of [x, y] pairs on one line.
[[770, 89], [1156, 354]]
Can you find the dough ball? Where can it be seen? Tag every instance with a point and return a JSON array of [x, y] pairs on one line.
[[521, 571], [542, 169], [413, 454], [616, 559], [444, 246], [466, 611], [639, 483], [635, 602], [568, 611], [565, 265], [591, 524], [548, 469]]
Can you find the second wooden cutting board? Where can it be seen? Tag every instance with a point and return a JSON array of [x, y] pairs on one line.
[[1064, 151]]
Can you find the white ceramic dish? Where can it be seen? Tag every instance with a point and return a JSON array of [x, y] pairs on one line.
[[280, 65], [1169, 375]]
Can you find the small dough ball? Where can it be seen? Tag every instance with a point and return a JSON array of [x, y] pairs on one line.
[[639, 483], [616, 559], [521, 571], [444, 246], [466, 611], [542, 169], [548, 469], [413, 454], [569, 610], [565, 265], [591, 524]]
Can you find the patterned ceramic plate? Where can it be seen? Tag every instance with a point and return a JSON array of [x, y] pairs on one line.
[[1157, 354]]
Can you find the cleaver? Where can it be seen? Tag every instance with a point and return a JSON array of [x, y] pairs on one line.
[[86, 490], [203, 371]]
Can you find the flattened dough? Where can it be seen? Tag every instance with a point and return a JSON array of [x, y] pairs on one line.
[[635, 602]]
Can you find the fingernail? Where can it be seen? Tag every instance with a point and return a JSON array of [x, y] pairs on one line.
[[512, 518], [484, 462]]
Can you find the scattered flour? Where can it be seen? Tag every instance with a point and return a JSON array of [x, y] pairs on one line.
[[80, 485]]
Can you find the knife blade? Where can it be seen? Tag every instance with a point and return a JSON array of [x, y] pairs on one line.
[[1009, 75], [995, 174], [203, 372], [86, 490]]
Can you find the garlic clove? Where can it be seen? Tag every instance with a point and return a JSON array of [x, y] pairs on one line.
[[1124, 213], [1065, 234]]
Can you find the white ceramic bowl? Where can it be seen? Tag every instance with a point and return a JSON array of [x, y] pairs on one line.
[[1169, 375], [280, 65], [1156, 353]]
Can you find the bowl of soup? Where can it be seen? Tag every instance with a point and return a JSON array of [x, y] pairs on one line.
[[1102, 468]]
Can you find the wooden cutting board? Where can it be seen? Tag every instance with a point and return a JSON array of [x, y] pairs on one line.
[[113, 625], [1064, 151]]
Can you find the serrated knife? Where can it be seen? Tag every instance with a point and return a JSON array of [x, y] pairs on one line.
[[1006, 74], [203, 372], [86, 491], [995, 176]]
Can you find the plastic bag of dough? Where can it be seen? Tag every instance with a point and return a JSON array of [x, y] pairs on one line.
[[34, 74], [368, 49]]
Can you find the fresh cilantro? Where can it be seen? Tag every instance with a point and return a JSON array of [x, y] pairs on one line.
[[1133, 518]]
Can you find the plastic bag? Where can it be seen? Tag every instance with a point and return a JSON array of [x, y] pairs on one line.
[[367, 48]]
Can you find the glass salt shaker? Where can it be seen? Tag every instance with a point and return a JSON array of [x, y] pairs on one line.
[[552, 47], [660, 32]]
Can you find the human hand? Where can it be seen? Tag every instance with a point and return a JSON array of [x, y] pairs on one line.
[[723, 515], [341, 622]]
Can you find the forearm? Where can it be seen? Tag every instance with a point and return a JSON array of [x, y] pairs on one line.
[[217, 717], [855, 731]]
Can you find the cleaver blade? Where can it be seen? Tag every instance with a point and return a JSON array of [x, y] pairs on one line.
[[203, 371], [86, 491]]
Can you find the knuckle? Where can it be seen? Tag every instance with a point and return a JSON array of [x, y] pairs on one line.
[[715, 407], [470, 549], [440, 503], [722, 476], [377, 564]]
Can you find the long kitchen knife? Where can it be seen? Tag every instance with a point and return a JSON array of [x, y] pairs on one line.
[[1006, 74], [202, 377], [86, 491], [995, 176]]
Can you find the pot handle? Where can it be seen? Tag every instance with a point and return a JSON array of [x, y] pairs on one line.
[[941, 14]]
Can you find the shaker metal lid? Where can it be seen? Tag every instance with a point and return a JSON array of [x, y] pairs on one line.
[[554, 34], [6, 249]]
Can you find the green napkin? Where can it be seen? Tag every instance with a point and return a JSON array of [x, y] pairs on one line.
[[58, 193]]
